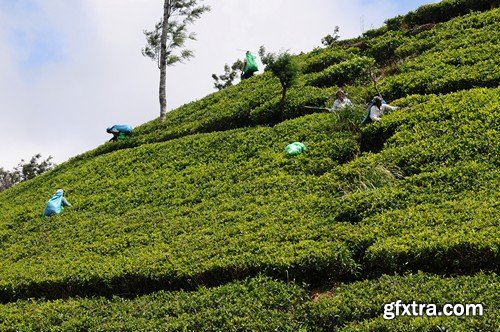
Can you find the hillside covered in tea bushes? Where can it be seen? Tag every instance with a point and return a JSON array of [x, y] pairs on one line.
[[203, 223]]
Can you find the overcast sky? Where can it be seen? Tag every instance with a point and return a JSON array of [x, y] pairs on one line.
[[71, 68]]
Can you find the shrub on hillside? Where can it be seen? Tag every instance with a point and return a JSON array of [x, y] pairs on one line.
[[346, 72], [320, 59]]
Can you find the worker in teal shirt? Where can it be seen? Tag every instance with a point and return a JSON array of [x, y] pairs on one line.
[[56, 204]]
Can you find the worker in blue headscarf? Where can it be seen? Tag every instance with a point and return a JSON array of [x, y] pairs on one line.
[[119, 132], [56, 204]]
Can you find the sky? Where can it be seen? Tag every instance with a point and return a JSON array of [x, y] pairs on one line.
[[71, 68]]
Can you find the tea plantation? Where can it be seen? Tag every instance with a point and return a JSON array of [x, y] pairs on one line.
[[204, 223]]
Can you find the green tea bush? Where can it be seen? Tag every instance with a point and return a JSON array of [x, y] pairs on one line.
[[438, 12], [346, 72], [444, 238], [360, 306], [297, 99], [441, 131], [266, 305], [456, 55], [320, 59], [383, 49], [478, 28], [259, 304], [459, 76]]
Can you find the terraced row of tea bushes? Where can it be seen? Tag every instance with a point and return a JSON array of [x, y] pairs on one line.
[[374, 189], [383, 49], [459, 236], [225, 112], [423, 219], [441, 131], [346, 72], [461, 62], [321, 58], [253, 305], [438, 12], [394, 42], [480, 28], [483, 73], [361, 306], [266, 305]]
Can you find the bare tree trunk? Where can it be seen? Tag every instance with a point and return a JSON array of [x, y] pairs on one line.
[[163, 61], [282, 101]]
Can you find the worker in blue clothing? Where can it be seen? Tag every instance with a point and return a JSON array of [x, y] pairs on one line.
[[56, 204], [119, 132]]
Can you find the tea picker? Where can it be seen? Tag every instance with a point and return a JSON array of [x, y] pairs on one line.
[[56, 204], [120, 132], [377, 106], [249, 66]]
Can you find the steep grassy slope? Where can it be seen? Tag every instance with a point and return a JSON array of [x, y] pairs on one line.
[[209, 198]]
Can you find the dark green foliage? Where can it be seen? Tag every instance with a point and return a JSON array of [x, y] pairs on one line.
[[298, 98], [261, 304], [383, 50], [285, 68], [282, 66], [445, 130], [320, 59], [439, 12]]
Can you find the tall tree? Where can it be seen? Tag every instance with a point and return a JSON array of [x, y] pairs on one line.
[[284, 67], [170, 34]]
